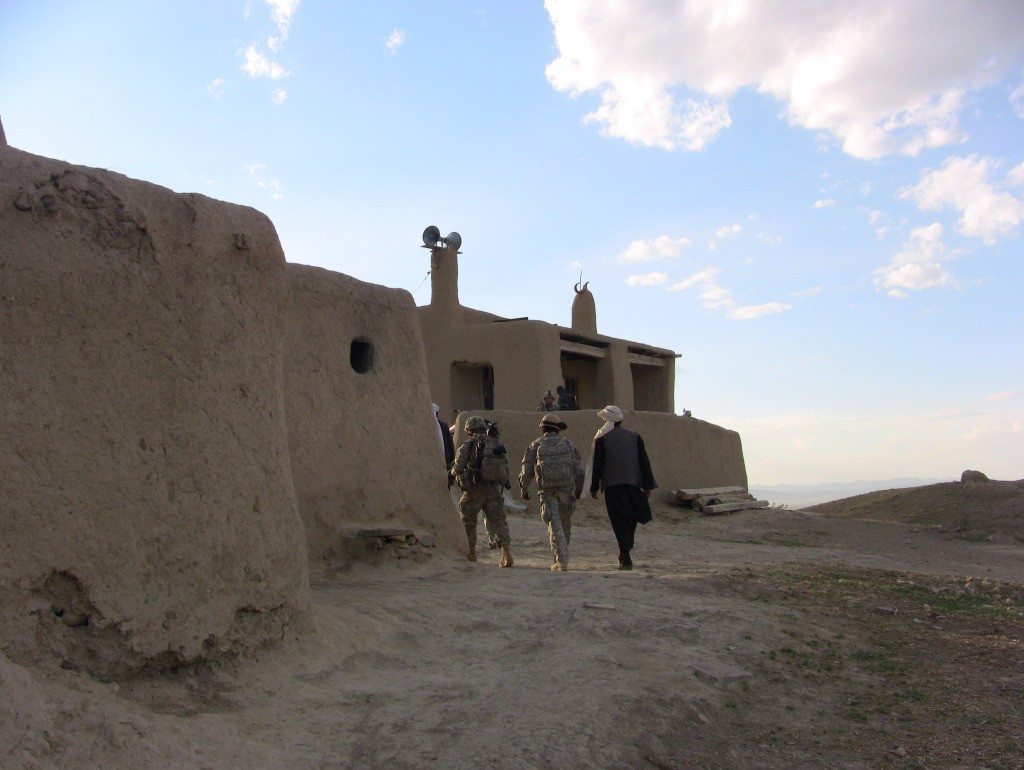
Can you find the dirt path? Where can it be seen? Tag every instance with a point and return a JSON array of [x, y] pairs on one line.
[[762, 639]]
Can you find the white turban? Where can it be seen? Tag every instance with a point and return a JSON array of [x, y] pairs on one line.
[[611, 415], [440, 430]]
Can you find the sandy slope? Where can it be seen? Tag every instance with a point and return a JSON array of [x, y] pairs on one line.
[[981, 509], [451, 664]]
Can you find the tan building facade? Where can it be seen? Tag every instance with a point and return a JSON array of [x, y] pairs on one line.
[[478, 360]]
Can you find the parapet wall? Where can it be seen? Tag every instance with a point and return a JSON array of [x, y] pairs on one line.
[[364, 442], [684, 452], [147, 515]]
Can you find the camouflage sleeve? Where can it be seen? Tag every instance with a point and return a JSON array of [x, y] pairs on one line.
[[461, 459], [529, 461], [577, 467]]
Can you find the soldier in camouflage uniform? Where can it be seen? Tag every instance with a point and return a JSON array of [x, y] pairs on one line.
[[478, 492], [555, 463]]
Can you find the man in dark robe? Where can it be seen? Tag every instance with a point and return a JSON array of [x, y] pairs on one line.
[[447, 442], [621, 467]]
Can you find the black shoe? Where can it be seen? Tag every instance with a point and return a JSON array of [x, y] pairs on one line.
[[626, 566]]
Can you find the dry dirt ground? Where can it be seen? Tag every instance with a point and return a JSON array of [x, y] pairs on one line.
[[760, 639]]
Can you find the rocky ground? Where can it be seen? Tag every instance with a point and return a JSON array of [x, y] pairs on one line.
[[761, 639]]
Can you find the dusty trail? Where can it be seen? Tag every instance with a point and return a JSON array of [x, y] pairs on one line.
[[452, 664]]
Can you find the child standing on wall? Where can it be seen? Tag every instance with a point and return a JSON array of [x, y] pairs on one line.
[[555, 463]]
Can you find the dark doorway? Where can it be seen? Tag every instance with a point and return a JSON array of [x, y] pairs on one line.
[[472, 386]]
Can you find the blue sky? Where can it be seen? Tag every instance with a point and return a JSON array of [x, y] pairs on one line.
[[820, 206]]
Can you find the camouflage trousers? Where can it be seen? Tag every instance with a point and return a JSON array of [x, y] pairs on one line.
[[556, 507], [488, 497]]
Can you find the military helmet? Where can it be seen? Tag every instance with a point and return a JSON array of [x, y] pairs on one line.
[[476, 424]]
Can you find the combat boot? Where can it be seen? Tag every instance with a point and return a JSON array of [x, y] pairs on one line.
[[471, 556], [506, 557], [559, 566]]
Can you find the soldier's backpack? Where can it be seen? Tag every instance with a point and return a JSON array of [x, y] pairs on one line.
[[555, 467], [490, 461]]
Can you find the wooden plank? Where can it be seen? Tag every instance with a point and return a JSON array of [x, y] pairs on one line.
[[704, 501], [579, 348], [740, 506], [637, 358], [692, 494], [728, 497]]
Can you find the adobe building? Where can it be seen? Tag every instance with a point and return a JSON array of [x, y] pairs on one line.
[[364, 442], [481, 361], [147, 514], [188, 421]]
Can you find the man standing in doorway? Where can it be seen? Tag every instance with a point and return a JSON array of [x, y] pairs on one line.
[[447, 443], [547, 402], [621, 467]]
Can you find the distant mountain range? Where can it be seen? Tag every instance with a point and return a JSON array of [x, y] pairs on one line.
[[803, 495]]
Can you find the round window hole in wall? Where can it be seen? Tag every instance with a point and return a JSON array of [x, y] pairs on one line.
[[361, 356]]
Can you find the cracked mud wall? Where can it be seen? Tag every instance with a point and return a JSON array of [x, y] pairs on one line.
[[364, 443], [147, 514]]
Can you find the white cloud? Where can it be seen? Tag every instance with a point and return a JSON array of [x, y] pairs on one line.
[[394, 41], [756, 311], [963, 183], [728, 231], [654, 249], [877, 221], [576, 265], [716, 297], [702, 276], [647, 279], [824, 203], [259, 66], [880, 77], [1015, 176], [1005, 395], [814, 291], [278, 96], [653, 119], [215, 88], [918, 265], [281, 12], [770, 240], [1017, 100], [272, 186]]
